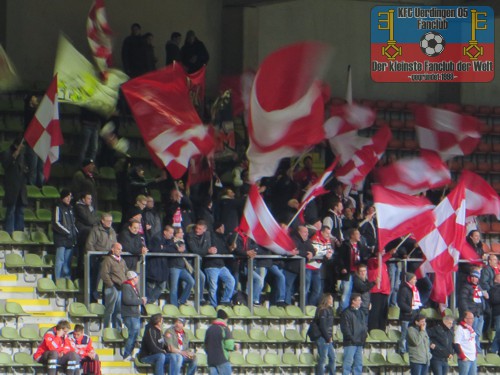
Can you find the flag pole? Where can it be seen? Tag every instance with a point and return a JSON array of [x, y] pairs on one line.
[[380, 258], [302, 206]]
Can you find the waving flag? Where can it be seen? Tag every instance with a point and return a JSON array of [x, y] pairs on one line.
[[99, 36], [318, 188], [8, 75], [413, 176], [347, 118], [260, 225], [368, 152], [480, 197], [446, 132], [44, 131], [399, 214], [166, 118], [286, 106]]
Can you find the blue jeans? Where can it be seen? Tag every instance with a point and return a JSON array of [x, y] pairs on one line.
[[495, 345], [279, 280], [325, 349], [154, 290], [402, 341], [314, 287], [112, 307], [62, 267], [181, 274], [439, 366], [213, 275], [467, 367], [419, 369], [258, 285], [346, 286], [290, 278], [353, 360], [224, 369], [14, 218], [478, 328], [191, 365], [133, 325], [395, 277], [159, 361], [90, 139]]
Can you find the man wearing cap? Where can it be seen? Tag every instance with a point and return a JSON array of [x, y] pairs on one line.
[[218, 342], [473, 298], [65, 235], [409, 305], [177, 342], [84, 181], [131, 311]]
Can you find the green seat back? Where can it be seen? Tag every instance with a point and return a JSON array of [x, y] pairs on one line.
[[152, 309], [294, 311], [20, 237], [46, 285], [293, 335], [240, 335], [307, 359], [43, 214], [10, 333], [208, 310], [50, 192], [5, 359], [188, 310], [254, 358], [25, 359], [97, 308], [274, 334], [257, 334], [33, 260], [242, 311], [5, 237], [272, 358], [236, 358], [29, 332], [201, 359], [112, 335], [200, 334], [171, 311], [261, 312], [13, 260], [290, 359]]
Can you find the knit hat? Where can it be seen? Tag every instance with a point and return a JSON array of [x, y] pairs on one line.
[[131, 275], [475, 274], [182, 320], [64, 193], [409, 276], [87, 162]]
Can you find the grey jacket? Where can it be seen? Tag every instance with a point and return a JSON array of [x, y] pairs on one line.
[[418, 346], [131, 301], [100, 239]]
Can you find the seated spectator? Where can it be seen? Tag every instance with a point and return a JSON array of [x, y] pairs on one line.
[[56, 349], [419, 346], [89, 363], [157, 267], [177, 342], [494, 295], [65, 235], [133, 243], [153, 349], [409, 306]]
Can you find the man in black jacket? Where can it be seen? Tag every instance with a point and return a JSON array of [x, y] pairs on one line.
[[157, 267], [494, 295], [355, 332], [441, 337], [153, 350], [65, 235], [131, 310], [409, 306], [133, 243]]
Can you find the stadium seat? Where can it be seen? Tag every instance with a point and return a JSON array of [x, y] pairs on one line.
[[229, 311], [242, 312], [290, 359], [5, 360], [201, 359], [258, 335], [21, 237], [236, 359], [240, 335], [254, 359], [200, 334], [293, 335], [29, 215], [278, 312], [79, 310], [40, 237], [261, 312], [294, 311], [14, 260], [275, 335], [188, 311], [170, 311], [152, 309], [112, 336], [307, 359], [9, 334], [50, 192], [44, 214], [34, 192], [272, 359], [46, 286], [29, 333], [5, 237], [22, 359], [208, 311]]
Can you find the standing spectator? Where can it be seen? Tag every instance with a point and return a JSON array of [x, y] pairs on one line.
[[133, 243], [333, 220], [91, 124], [151, 59], [494, 294], [465, 345], [84, 181], [113, 274], [178, 269], [361, 285], [321, 332], [194, 53], [409, 306], [177, 342], [323, 251], [354, 331], [368, 228], [134, 52], [157, 267], [89, 360], [131, 311], [218, 342], [486, 282], [230, 209], [85, 219], [418, 346], [441, 339], [178, 209], [151, 219], [65, 235], [291, 271], [472, 298], [348, 220], [172, 48], [153, 349], [56, 349], [14, 182]]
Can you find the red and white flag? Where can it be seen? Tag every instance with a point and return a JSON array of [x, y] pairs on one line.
[[480, 197], [318, 188], [368, 152], [44, 132], [399, 214], [286, 106], [99, 36], [413, 176], [196, 84], [259, 224], [347, 118], [446, 132], [166, 118]]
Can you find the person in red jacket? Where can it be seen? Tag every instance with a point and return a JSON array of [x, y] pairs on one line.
[[57, 349], [90, 363]]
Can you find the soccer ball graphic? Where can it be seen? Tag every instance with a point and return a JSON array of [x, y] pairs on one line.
[[432, 43]]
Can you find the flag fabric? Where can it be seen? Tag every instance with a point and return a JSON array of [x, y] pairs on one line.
[[44, 131], [79, 85], [446, 132], [286, 106], [368, 152], [399, 214], [167, 120], [99, 37], [413, 176], [260, 225], [8, 76], [196, 84], [347, 118], [480, 197], [318, 188]]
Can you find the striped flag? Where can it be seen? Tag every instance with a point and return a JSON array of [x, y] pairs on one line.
[[99, 37], [44, 131]]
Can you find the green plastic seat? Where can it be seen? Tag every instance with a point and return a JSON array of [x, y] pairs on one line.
[[377, 336], [25, 359], [34, 261], [254, 359], [229, 311], [307, 359], [257, 334], [29, 333], [395, 359], [278, 312], [19, 236], [377, 359], [240, 335], [339, 358], [50, 192], [272, 359], [29, 215], [5, 237], [189, 334], [290, 359], [117, 216], [171, 311], [13, 260], [46, 285], [261, 312], [152, 309], [188, 311], [5, 360], [9, 334], [493, 359], [431, 313], [200, 334], [208, 310], [339, 335], [201, 359], [394, 335], [274, 334], [294, 311], [34, 192], [242, 312], [393, 313], [79, 310], [112, 335], [40, 237], [44, 215], [293, 335], [481, 360], [310, 310], [97, 309], [237, 359]]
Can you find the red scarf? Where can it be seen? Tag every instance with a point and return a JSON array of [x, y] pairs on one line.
[[496, 270], [180, 340], [177, 219], [354, 256], [477, 293], [415, 301], [129, 282], [466, 326]]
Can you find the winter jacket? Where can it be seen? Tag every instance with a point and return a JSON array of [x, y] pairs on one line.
[[362, 287], [344, 258], [63, 226], [405, 297], [131, 301], [100, 238], [487, 278], [353, 327], [219, 240], [85, 219], [14, 180], [132, 243], [83, 345], [52, 342], [156, 266], [303, 247], [229, 212], [466, 302], [152, 342], [495, 299], [325, 323], [418, 346], [442, 337], [171, 339], [113, 272], [218, 341], [199, 244]]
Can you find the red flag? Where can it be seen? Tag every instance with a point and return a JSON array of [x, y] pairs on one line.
[[368, 152], [166, 118], [200, 170], [318, 187], [348, 118], [286, 106], [99, 36], [446, 132], [413, 176], [480, 197], [196, 84], [260, 225], [399, 214], [44, 131]]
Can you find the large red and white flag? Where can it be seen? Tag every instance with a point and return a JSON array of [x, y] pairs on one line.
[[399, 214], [446, 132], [318, 188], [99, 36], [480, 197], [413, 176], [166, 118], [259, 224], [368, 152], [347, 118], [44, 131], [286, 106]]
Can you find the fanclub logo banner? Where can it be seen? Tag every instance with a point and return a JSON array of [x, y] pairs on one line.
[[432, 44]]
